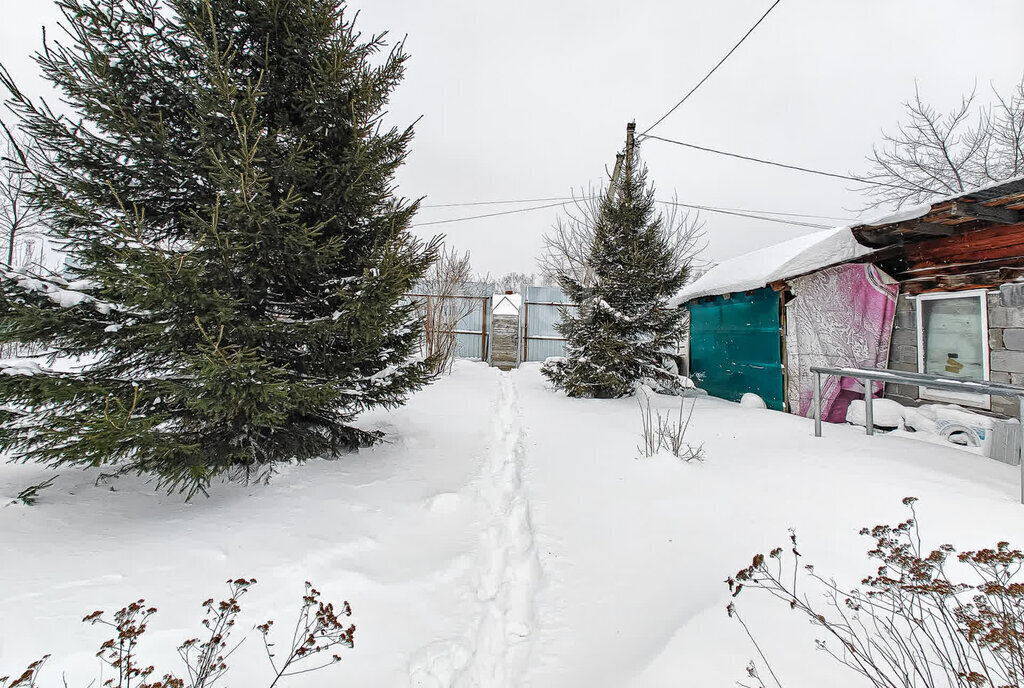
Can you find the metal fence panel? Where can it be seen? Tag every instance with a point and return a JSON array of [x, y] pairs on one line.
[[471, 336], [472, 332], [541, 316]]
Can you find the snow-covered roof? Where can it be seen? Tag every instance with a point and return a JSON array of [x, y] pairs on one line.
[[507, 304], [919, 210], [759, 268], [820, 249]]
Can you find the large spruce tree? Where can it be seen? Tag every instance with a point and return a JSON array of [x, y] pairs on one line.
[[237, 252], [618, 336]]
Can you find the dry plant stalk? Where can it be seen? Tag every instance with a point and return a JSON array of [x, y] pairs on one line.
[[318, 632], [663, 433], [444, 304], [912, 625]]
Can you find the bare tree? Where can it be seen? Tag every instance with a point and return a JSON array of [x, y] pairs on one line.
[[568, 245], [514, 281], [18, 216], [935, 153], [447, 297]]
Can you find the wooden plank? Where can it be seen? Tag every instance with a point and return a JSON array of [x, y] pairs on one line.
[[926, 228], [504, 341], [976, 211], [983, 278], [877, 237], [992, 242]]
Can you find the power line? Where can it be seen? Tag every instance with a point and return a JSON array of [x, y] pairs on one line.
[[740, 213], [713, 69], [807, 215], [568, 199], [505, 212], [522, 200], [772, 162], [846, 220]]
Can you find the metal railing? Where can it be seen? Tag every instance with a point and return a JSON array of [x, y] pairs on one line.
[[942, 382]]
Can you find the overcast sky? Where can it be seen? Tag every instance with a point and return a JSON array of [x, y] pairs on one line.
[[530, 99]]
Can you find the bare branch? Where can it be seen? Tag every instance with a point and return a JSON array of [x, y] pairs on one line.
[[567, 247], [448, 296], [19, 216], [935, 153]]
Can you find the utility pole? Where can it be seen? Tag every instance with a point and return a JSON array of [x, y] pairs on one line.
[[613, 185], [630, 145]]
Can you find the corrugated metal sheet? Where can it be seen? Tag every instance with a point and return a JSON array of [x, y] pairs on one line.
[[542, 337], [736, 346], [469, 345]]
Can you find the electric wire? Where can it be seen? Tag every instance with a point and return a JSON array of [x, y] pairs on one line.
[[569, 199], [739, 212], [504, 212], [713, 69], [772, 162], [521, 200]]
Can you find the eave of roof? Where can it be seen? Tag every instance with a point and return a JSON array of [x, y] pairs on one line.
[[996, 203], [788, 259]]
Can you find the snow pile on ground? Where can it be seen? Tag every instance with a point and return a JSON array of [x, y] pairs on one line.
[[885, 413], [505, 536], [751, 400]]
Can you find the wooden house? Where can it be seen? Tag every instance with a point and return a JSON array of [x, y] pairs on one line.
[[759, 321], [959, 262]]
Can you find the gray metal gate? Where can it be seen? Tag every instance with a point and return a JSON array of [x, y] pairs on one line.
[[542, 308], [471, 335]]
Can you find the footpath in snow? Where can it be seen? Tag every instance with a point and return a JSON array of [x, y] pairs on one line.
[[507, 573], [505, 535]]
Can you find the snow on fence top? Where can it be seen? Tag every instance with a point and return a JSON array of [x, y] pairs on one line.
[[759, 268]]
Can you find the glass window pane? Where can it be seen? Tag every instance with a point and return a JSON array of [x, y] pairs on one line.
[[953, 343]]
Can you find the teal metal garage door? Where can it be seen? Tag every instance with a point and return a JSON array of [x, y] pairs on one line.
[[736, 346]]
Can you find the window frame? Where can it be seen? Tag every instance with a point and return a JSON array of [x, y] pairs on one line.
[[982, 401]]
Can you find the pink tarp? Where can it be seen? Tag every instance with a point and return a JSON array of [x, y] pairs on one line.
[[840, 317]]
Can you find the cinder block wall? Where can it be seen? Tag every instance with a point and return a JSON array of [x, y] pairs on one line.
[[903, 350], [1006, 342], [1006, 339]]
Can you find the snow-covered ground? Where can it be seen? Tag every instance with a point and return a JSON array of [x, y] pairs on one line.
[[505, 536]]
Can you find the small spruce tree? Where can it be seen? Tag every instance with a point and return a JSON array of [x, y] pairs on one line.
[[617, 337], [238, 255]]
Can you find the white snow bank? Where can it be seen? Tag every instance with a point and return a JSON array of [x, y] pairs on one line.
[[634, 552], [885, 413], [499, 549], [759, 268]]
